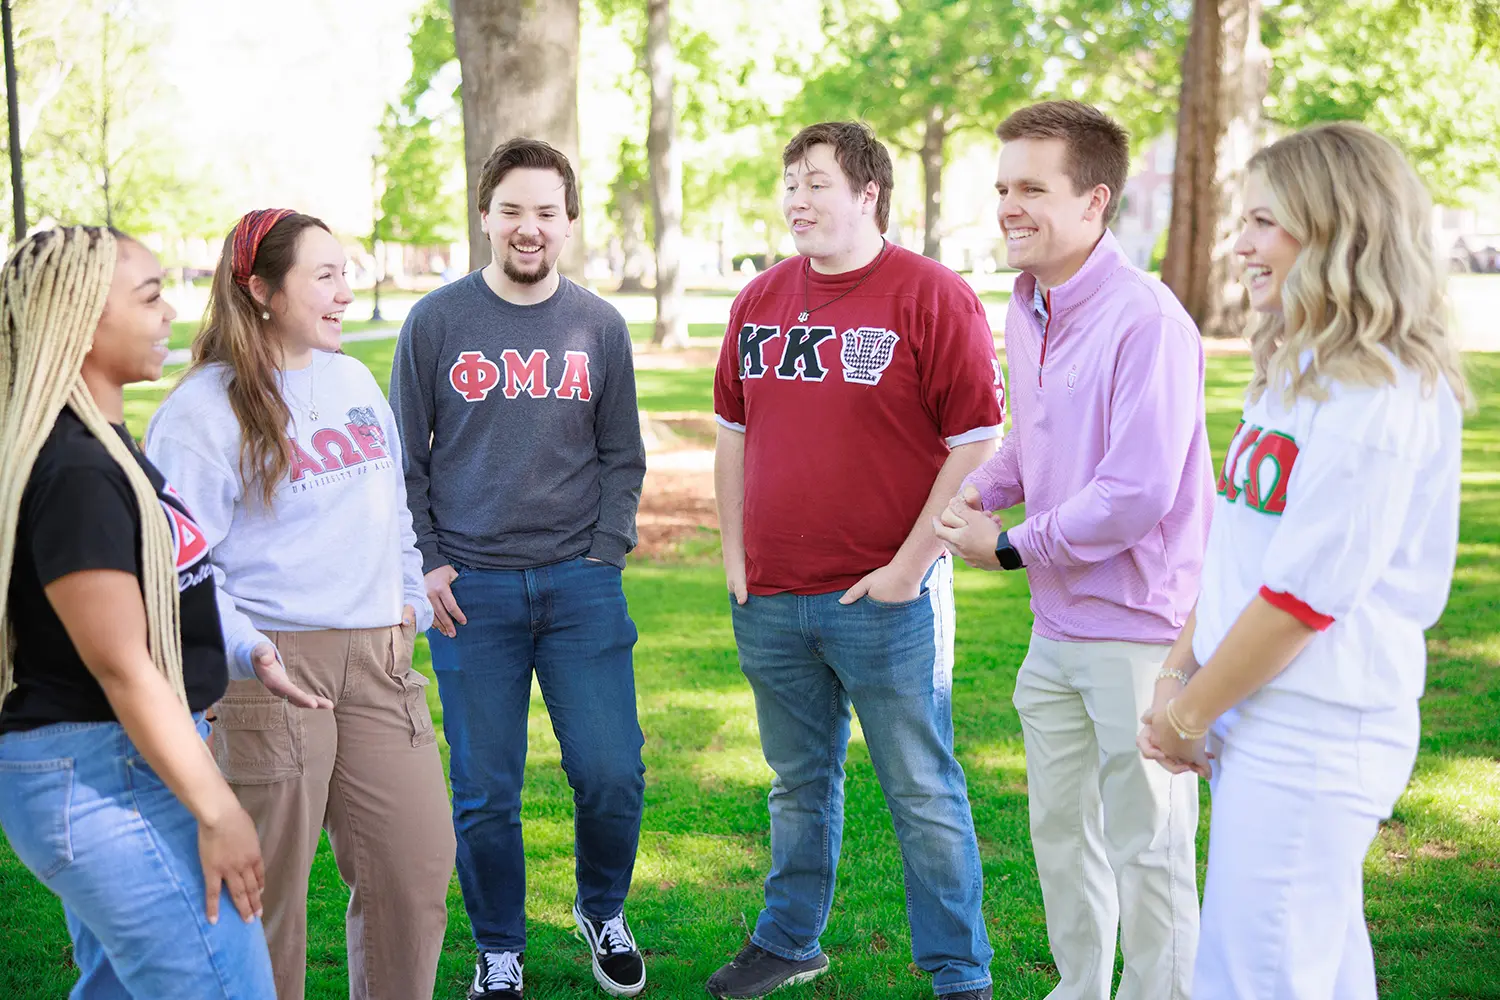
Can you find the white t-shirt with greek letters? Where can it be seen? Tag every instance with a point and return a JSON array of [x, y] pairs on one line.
[[1343, 512]]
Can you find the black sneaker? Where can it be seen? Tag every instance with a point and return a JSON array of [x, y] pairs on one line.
[[497, 976], [755, 972], [618, 966], [983, 993]]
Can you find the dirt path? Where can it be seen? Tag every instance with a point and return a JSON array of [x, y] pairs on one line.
[[677, 499]]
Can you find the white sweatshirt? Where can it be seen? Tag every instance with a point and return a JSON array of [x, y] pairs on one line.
[[1345, 514], [336, 550]]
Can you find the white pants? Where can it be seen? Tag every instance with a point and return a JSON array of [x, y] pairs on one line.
[[1112, 832], [1299, 790]]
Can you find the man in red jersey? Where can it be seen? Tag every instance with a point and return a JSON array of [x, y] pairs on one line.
[[857, 386]]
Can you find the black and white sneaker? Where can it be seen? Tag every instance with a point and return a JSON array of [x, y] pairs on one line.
[[618, 966], [497, 976], [756, 972], [983, 993]]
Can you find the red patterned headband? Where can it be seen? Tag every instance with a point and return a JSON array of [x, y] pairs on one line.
[[248, 232]]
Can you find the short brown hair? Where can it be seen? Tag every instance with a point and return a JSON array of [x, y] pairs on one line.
[[519, 154], [1097, 146], [862, 157]]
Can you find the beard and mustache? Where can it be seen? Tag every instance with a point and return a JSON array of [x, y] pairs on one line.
[[520, 277]]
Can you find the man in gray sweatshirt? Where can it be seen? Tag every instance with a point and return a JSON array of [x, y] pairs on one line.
[[514, 392]]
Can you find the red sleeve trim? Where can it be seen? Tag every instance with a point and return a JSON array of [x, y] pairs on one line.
[[1297, 609]]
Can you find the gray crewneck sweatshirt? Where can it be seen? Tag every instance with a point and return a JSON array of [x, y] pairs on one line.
[[519, 428]]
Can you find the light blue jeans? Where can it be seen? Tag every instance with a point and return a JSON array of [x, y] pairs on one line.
[[808, 658], [90, 818]]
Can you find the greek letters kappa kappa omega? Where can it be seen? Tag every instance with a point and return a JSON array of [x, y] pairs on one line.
[[474, 376]]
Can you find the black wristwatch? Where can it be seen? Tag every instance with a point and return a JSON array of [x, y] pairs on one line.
[[1007, 554]]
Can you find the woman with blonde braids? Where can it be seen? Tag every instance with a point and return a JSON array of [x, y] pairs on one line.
[[1331, 552], [108, 793]]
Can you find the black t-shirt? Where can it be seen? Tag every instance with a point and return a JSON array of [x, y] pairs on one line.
[[79, 513]]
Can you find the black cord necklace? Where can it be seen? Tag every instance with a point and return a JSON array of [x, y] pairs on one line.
[[807, 283]]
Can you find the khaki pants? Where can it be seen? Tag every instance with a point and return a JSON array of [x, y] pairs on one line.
[[1113, 832], [369, 773]]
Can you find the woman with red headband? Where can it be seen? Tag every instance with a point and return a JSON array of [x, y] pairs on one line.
[[287, 453]]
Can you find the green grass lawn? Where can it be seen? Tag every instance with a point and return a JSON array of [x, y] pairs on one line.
[[1433, 876]]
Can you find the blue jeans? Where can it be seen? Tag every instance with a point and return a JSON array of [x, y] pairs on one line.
[[808, 658], [87, 815], [568, 623]]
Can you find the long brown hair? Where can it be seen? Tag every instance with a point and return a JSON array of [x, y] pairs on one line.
[[235, 335]]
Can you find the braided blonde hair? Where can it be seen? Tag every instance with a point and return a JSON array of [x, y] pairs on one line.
[[52, 294]]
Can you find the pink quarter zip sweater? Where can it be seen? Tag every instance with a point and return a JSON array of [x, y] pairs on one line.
[[1108, 451]]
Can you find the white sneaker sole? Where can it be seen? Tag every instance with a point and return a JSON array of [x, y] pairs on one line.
[[796, 980], [607, 984]]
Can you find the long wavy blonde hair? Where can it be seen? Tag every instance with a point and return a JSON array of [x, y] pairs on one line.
[[1367, 279]]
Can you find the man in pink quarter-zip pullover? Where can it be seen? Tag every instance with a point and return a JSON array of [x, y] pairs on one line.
[[1110, 455]]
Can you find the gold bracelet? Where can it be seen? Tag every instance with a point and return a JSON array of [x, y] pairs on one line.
[[1173, 673], [1183, 732]]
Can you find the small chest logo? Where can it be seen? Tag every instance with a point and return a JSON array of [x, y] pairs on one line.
[[1072, 379], [189, 546], [1261, 479], [867, 353]]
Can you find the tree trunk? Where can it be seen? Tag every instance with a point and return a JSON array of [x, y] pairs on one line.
[[13, 122], [519, 61], [1225, 72], [933, 138], [632, 244], [665, 161]]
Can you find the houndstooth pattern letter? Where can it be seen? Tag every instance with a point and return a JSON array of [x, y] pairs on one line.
[[867, 353]]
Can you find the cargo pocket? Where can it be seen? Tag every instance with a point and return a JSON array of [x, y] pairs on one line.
[[256, 740], [413, 686]]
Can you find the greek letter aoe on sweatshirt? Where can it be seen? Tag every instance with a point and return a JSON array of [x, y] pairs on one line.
[[336, 549]]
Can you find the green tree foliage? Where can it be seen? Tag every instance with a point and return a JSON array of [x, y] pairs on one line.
[[730, 95], [1123, 57], [1420, 75], [421, 156], [924, 72], [98, 143]]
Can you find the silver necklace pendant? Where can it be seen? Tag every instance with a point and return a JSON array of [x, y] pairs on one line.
[[802, 316], [312, 414]]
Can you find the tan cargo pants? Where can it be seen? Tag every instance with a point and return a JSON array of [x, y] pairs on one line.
[[369, 773]]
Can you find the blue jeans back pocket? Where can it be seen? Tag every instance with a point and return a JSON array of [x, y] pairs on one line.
[[36, 797]]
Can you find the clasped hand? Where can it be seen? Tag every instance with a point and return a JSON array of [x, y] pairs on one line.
[[1158, 741], [967, 531]]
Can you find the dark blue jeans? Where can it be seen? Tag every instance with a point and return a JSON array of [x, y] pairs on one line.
[[808, 659], [568, 623]]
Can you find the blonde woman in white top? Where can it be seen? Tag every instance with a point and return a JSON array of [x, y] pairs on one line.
[[1295, 685]]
